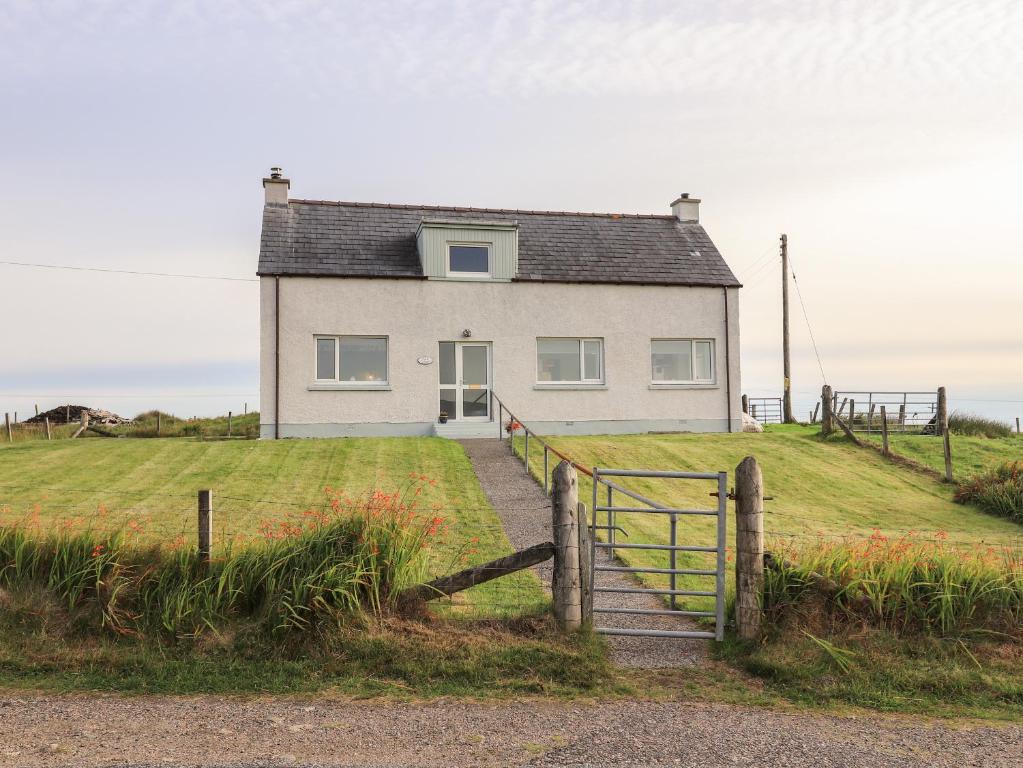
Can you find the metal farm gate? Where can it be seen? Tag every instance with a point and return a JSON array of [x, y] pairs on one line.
[[605, 509]]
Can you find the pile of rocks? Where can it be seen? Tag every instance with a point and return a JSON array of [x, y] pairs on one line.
[[72, 414]]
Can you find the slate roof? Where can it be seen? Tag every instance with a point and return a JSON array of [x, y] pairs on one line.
[[338, 239]]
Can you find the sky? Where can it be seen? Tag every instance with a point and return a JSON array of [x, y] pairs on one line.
[[885, 138]]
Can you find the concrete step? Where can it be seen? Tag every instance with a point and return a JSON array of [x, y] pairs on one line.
[[459, 430]]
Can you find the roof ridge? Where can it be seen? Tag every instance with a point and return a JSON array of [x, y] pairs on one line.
[[470, 209]]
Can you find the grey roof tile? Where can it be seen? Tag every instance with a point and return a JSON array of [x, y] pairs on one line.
[[319, 238]]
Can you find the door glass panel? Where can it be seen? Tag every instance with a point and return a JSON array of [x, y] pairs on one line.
[[474, 366], [474, 402], [447, 363], [448, 403], [591, 360]]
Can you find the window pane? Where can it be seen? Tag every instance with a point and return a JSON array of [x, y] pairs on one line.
[[672, 360], [474, 366], [470, 258], [325, 359], [557, 359], [591, 360], [703, 363], [363, 359], [447, 364]]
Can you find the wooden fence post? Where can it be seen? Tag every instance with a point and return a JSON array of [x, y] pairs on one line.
[[565, 584], [205, 526], [49, 435], [749, 548], [745, 403], [947, 444], [585, 566], [7, 423], [827, 403], [884, 431], [941, 422]]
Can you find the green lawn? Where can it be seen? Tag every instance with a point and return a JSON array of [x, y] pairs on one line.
[[828, 488], [154, 482], [970, 455]]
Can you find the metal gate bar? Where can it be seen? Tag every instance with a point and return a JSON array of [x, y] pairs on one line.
[[600, 476]]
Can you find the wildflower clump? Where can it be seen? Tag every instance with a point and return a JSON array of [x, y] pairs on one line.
[[907, 584], [999, 491], [333, 563]]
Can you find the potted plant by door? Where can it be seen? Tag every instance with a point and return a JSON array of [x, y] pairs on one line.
[[443, 418]]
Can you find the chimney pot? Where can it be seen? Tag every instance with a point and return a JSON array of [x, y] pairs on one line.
[[686, 208], [276, 187]]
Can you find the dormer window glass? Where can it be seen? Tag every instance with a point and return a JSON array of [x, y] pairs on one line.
[[465, 259]]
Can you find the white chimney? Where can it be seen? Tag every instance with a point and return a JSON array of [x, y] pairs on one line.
[[686, 208], [276, 187]]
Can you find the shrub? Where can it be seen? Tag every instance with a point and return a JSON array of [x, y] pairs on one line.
[[903, 585], [999, 491], [332, 564], [977, 426]]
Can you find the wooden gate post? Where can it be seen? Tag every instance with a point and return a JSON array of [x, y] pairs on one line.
[[749, 548], [585, 566], [205, 526], [941, 422], [565, 584], [884, 431], [827, 403]]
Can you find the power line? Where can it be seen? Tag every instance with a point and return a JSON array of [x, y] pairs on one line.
[[130, 272], [806, 317]]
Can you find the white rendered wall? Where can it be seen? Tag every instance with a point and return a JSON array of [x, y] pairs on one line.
[[417, 314]]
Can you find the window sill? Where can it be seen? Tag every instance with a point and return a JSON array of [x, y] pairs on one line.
[[353, 387], [570, 386], [683, 386]]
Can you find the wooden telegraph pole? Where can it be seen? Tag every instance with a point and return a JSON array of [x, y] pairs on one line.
[[787, 416]]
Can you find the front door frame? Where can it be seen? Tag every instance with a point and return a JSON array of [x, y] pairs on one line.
[[460, 387]]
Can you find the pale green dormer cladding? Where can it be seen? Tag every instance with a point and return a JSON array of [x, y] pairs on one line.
[[436, 238]]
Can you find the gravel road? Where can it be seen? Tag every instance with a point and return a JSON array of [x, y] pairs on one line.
[[80, 730], [525, 512]]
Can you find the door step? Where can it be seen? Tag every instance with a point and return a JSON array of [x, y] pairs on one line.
[[458, 430]]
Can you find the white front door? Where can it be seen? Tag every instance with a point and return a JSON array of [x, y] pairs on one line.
[[465, 380]]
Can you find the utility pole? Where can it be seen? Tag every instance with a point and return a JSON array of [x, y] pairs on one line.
[[787, 416]]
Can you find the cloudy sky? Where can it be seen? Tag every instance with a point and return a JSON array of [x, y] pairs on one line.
[[885, 137]]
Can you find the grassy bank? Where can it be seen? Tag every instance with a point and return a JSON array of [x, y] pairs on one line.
[[971, 454], [150, 486], [896, 625]]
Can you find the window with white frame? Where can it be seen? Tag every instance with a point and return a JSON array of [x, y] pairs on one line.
[[570, 361], [682, 361], [352, 359], [471, 259]]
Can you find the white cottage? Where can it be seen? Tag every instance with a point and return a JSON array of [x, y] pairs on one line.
[[382, 319]]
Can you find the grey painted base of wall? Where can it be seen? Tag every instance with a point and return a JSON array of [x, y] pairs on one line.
[[425, 429]]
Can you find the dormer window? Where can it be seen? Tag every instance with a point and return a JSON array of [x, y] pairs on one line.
[[469, 260]]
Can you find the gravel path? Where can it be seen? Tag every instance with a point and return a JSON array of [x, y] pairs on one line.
[[525, 512], [64, 730]]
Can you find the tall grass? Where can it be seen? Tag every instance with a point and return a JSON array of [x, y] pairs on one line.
[[960, 423], [903, 585], [333, 564], [998, 491]]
